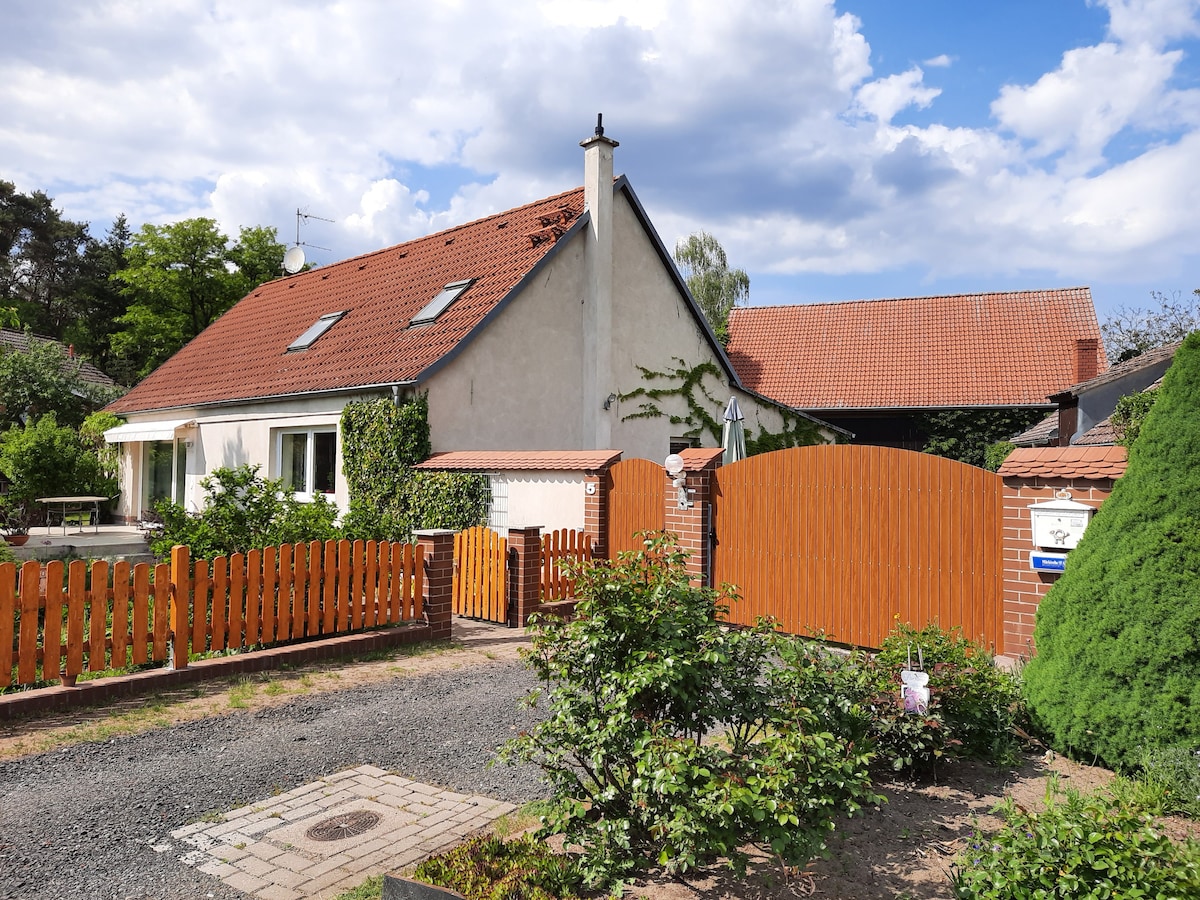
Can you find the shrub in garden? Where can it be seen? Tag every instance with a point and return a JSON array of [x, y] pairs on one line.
[[1117, 666], [1080, 847], [672, 740], [489, 868], [243, 511]]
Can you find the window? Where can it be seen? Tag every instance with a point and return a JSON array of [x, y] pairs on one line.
[[679, 444], [441, 302], [315, 330], [308, 460], [498, 507]]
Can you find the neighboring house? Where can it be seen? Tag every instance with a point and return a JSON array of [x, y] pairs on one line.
[[525, 329], [13, 339], [1082, 417], [874, 367]]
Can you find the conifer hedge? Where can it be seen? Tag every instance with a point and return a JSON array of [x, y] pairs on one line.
[[1117, 667]]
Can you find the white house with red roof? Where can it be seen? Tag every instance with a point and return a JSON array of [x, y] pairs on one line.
[[874, 366], [530, 330]]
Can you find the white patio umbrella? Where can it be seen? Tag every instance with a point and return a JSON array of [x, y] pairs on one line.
[[733, 437]]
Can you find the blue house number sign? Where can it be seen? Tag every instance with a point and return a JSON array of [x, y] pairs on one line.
[[1048, 562]]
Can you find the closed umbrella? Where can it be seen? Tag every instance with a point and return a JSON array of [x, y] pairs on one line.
[[733, 438]]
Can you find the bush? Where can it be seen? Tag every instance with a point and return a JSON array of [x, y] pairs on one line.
[[1117, 666], [1080, 847], [672, 740], [243, 511], [1173, 774], [489, 868], [44, 459]]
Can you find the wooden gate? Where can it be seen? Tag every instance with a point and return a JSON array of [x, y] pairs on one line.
[[481, 575], [636, 498], [849, 539]]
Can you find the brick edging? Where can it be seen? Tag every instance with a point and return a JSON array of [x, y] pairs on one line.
[[104, 690]]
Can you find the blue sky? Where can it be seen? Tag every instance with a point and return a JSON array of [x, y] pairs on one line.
[[838, 150]]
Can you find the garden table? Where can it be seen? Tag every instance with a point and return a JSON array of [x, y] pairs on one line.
[[74, 504]]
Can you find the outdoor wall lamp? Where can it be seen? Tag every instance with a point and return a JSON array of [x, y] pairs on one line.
[[609, 401], [674, 466]]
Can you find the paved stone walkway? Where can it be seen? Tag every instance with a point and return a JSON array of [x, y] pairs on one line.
[[321, 839]]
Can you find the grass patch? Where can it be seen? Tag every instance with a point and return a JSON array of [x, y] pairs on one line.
[[371, 889], [241, 693]]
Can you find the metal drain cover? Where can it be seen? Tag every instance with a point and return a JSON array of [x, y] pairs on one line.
[[347, 825]]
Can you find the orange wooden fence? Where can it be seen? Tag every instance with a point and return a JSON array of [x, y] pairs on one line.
[[480, 588], [113, 617], [636, 494], [557, 547], [848, 539]]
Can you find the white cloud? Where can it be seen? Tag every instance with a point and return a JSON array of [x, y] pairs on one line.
[[1153, 22], [884, 97]]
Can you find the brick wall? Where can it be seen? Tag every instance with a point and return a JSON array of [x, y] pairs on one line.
[[1023, 587]]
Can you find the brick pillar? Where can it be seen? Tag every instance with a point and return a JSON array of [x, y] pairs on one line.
[[524, 574], [437, 545], [596, 486], [694, 524]]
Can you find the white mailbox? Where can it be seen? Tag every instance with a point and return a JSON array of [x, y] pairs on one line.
[[1060, 523]]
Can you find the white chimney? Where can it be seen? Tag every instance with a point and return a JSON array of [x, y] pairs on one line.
[[597, 300]]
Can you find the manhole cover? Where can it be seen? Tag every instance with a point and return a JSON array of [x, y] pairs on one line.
[[346, 825]]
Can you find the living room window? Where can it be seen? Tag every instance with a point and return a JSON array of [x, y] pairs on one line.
[[307, 460]]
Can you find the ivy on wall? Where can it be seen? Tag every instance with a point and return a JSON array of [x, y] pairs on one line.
[[381, 442], [966, 434], [687, 384]]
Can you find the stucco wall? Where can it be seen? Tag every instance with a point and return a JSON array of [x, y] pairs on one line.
[[550, 500]]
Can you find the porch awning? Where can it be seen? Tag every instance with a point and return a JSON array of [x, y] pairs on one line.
[[146, 431]]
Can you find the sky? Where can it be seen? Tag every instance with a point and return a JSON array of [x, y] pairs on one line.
[[838, 149]]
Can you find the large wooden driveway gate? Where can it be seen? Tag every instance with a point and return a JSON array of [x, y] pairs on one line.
[[844, 540]]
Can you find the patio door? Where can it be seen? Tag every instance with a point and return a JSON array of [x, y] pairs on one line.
[[164, 471]]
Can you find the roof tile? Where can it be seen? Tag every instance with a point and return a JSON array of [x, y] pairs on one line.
[[531, 460], [1089, 463], [994, 349]]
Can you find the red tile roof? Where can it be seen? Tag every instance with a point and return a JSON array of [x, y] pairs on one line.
[[998, 349], [530, 460], [243, 355], [1092, 463]]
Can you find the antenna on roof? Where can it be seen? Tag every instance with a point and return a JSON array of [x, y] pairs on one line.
[[293, 260], [599, 124]]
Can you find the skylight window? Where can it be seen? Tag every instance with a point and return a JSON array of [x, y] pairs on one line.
[[441, 302], [315, 330]]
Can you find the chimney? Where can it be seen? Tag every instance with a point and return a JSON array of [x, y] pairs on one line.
[[1086, 366], [598, 275]]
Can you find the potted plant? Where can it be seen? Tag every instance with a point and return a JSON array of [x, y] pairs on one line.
[[14, 521]]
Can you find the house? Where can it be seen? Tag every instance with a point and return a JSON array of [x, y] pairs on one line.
[[1082, 416], [537, 328], [875, 367]]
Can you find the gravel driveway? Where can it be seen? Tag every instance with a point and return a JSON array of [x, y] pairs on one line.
[[81, 822]]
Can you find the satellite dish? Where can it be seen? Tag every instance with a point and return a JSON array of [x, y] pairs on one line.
[[293, 260]]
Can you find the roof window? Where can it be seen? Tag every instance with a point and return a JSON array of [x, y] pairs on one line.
[[441, 302], [315, 330]]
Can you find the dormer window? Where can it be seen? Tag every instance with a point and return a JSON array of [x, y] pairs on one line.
[[441, 302], [315, 330]]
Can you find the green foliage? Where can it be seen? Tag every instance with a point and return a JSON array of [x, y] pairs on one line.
[[714, 286], [489, 868], [179, 278], [1118, 636], [995, 455], [43, 379], [243, 511], [381, 442], [704, 410], [966, 434], [672, 740], [1080, 847], [43, 459], [1172, 776], [1129, 414]]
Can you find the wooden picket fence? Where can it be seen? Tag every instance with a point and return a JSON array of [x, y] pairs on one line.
[[114, 617], [557, 547]]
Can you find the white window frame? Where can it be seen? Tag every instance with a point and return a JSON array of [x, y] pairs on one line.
[[179, 459], [310, 432]]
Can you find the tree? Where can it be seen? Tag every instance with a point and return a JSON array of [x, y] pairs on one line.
[[179, 278], [42, 259], [43, 379], [1117, 668], [967, 434], [714, 286], [45, 459], [99, 303], [1130, 332]]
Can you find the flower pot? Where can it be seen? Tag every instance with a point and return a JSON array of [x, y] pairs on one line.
[[16, 540]]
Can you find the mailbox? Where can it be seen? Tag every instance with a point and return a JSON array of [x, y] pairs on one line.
[[1059, 523]]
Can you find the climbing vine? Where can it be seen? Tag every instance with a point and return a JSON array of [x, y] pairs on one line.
[[688, 385], [381, 442]]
